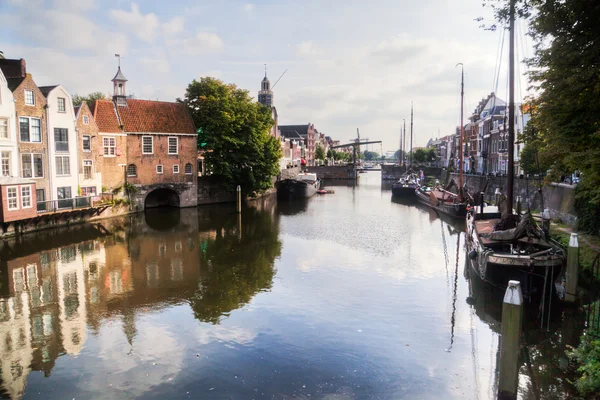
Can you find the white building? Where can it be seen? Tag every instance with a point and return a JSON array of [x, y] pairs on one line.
[[62, 143], [8, 131]]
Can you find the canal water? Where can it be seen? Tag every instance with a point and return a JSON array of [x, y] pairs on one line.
[[344, 296]]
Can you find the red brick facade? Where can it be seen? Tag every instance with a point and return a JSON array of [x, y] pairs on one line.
[[22, 207]]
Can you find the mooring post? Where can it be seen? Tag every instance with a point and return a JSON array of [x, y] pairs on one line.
[[482, 200], [497, 195], [572, 268], [239, 198], [518, 205], [512, 314]]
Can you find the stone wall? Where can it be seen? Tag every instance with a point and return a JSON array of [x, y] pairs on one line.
[[186, 192], [394, 172], [211, 191], [333, 172], [558, 198]]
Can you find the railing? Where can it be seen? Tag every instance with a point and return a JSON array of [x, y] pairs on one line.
[[63, 204]]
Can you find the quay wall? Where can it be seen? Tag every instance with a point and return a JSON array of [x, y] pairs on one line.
[[394, 172], [333, 172], [558, 198]]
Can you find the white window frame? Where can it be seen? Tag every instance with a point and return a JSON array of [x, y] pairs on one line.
[[2, 162], [191, 169], [89, 142], [159, 166], [16, 198], [64, 104], [176, 145], [4, 123], [33, 170], [86, 120], [29, 127], [62, 165], [23, 197], [88, 163], [175, 168], [151, 144], [32, 97], [110, 146]]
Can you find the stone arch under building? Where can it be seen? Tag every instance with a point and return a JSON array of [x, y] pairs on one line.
[[162, 197]]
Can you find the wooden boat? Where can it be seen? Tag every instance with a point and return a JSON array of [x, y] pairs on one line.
[[303, 185], [504, 245], [406, 185], [442, 201]]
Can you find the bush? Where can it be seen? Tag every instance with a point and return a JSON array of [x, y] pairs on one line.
[[587, 357], [587, 210]]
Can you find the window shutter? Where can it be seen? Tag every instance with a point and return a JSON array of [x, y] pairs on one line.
[[118, 151]]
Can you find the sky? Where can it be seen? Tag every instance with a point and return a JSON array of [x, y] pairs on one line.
[[350, 64]]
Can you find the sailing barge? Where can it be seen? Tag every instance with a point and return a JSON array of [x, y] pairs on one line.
[[442, 201]]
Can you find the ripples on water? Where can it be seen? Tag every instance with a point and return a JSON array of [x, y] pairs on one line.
[[345, 296]]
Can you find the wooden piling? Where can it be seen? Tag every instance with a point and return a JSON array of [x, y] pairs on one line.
[[239, 198], [572, 269], [512, 314]]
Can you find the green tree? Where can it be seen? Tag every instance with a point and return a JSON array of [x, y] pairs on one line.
[[235, 131], [530, 160], [430, 155], [370, 155], [319, 153], [420, 155], [77, 99]]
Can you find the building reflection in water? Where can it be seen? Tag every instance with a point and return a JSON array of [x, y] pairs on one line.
[[57, 287]]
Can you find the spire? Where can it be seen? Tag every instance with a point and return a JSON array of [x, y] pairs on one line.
[[119, 86], [265, 94]]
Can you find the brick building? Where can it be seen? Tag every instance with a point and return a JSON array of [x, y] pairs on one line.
[[307, 133], [89, 151], [30, 110], [8, 133]]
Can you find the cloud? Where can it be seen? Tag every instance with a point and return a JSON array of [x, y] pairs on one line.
[[306, 48], [75, 4], [142, 26], [248, 7], [202, 43], [174, 26]]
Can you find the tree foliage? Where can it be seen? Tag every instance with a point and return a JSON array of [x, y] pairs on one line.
[[370, 155], [319, 152], [78, 100], [235, 131], [424, 155]]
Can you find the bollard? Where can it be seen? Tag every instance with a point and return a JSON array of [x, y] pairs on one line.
[[518, 205], [239, 198], [497, 195], [239, 227], [546, 222], [572, 268], [512, 314]]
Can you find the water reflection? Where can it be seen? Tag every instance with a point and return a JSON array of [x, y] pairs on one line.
[[57, 284]]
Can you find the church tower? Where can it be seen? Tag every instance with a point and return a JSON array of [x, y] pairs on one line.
[[119, 88], [265, 94]]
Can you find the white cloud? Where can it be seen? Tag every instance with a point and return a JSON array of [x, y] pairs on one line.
[[249, 7], [75, 4], [142, 26], [306, 48], [203, 42], [174, 26]]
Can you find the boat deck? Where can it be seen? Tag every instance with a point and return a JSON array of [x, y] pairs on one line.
[[485, 226]]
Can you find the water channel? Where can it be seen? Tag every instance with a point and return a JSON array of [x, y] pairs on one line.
[[344, 296]]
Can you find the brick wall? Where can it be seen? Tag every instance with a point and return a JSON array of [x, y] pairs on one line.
[[113, 174], [36, 111], [90, 129], [21, 213]]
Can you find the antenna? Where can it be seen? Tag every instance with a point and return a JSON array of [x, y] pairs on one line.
[[119, 57], [273, 87], [265, 70]]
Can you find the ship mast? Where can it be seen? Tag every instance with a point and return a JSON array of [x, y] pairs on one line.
[[411, 133], [511, 109], [462, 96]]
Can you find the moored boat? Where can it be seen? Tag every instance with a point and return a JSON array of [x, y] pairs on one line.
[[442, 201], [304, 185], [406, 185]]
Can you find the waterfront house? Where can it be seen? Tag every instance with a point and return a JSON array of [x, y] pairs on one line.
[[8, 134], [89, 151], [30, 114], [61, 143], [17, 199], [307, 133]]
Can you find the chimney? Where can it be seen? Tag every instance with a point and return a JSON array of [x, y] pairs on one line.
[[23, 68]]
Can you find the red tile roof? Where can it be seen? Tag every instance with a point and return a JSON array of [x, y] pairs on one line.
[[155, 117], [105, 116]]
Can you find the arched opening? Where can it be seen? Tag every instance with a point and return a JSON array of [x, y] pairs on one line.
[[162, 197]]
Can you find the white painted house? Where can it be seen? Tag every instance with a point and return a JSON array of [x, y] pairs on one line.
[[9, 152], [62, 143]]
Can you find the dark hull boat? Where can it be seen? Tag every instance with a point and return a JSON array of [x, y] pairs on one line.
[[406, 186], [442, 201], [302, 186]]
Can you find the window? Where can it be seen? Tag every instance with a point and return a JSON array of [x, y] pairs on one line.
[[6, 163], [159, 169], [88, 191], [131, 170], [87, 169], [63, 167], [29, 98], [172, 145], [188, 169], [86, 120], [26, 196], [64, 193], [87, 144], [32, 166], [176, 168], [13, 203], [110, 146], [147, 145], [40, 198], [31, 129], [61, 140], [61, 104], [3, 128]]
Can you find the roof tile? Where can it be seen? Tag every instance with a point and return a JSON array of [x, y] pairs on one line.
[[105, 116], [156, 117]]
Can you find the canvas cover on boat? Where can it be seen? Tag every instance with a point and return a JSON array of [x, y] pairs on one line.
[[527, 227]]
